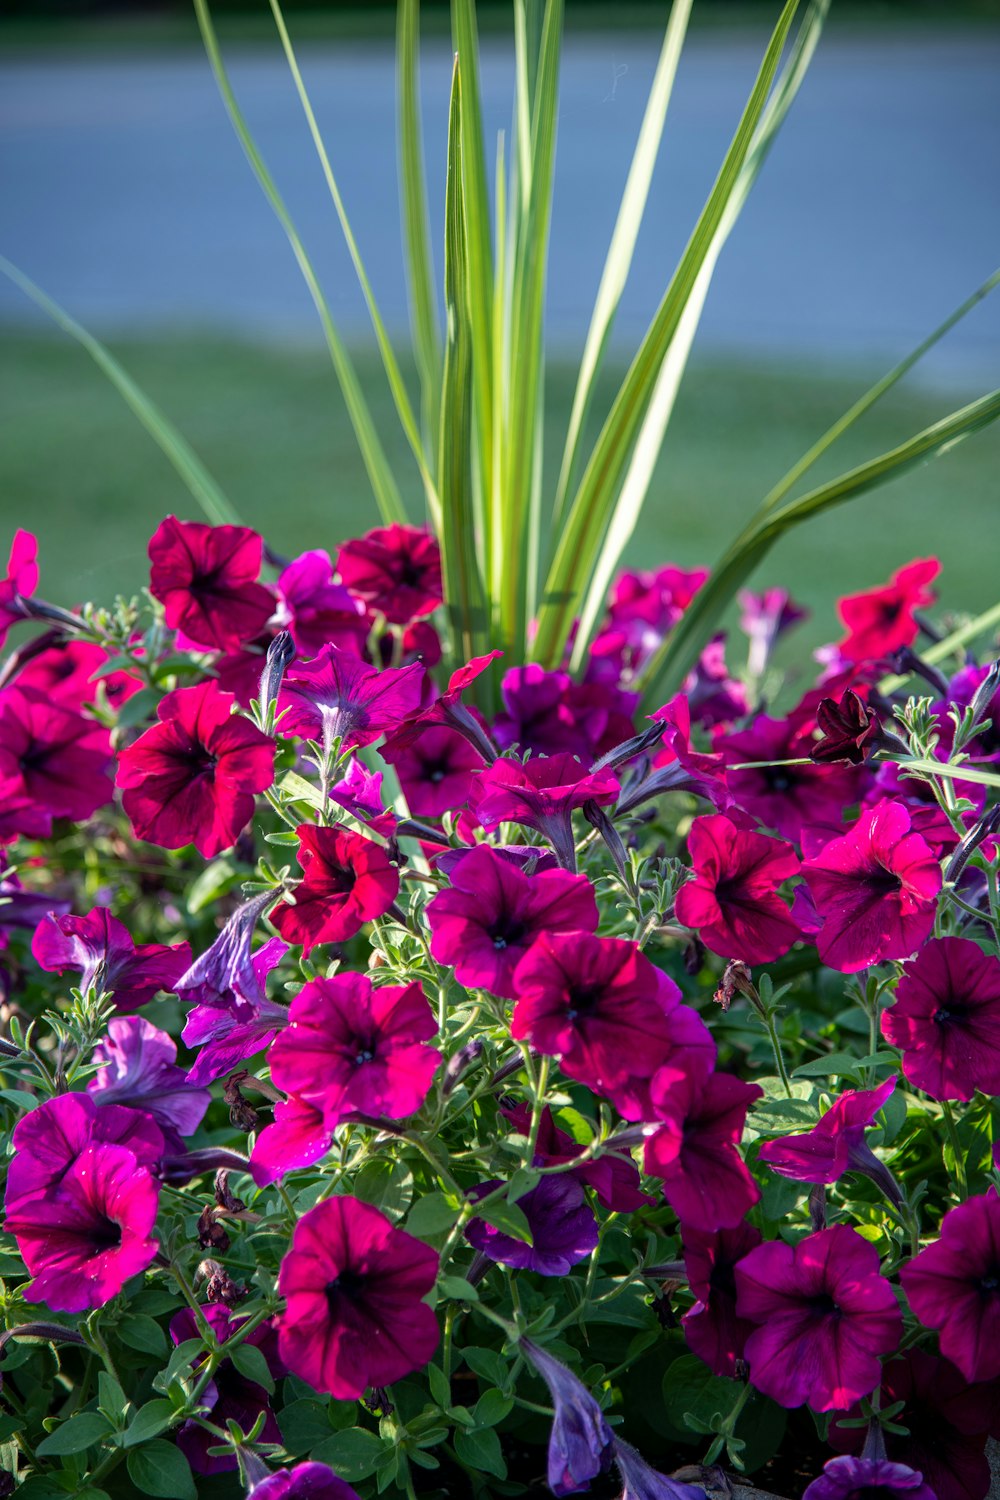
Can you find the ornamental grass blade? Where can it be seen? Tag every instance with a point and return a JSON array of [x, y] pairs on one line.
[[588, 516], [170, 442], [667, 669], [383, 483], [416, 223], [622, 246], [463, 584]]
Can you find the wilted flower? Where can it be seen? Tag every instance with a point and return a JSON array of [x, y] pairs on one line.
[[347, 880], [848, 730], [732, 902], [101, 949], [945, 1019], [206, 579], [580, 1444], [563, 1228]]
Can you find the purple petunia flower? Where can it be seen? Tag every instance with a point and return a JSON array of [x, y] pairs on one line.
[[826, 1316], [613, 1175], [435, 770], [316, 610], [945, 1019], [230, 1395], [308, 1481], [954, 1286], [23, 908], [48, 1140], [138, 1066], [547, 713], [563, 1228], [101, 948], [493, 912], [580, 1443], [335, 695], [642, 1482], [837, 1144], [868, 1479], [541, 794]]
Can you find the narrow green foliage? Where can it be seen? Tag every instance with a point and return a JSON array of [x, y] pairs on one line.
[[416, 225]]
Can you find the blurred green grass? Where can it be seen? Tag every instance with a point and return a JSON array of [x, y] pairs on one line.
[[269, 422]]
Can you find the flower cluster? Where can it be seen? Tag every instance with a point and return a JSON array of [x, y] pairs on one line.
[[410, 1071]]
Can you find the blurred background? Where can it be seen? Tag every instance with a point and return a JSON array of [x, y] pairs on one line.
[[126, 196]]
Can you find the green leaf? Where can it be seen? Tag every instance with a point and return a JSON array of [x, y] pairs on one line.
[[416, 226], [75, 1435], [457, 1289], [179, 1364], [430, 1215], [522, 1181], [252, 1365], [353, 1454], [303, 1424], [492, 1407], [149, 1421], [488, 1365], [142, 1333], [440, 1386], [508, 1218], [834, 1065], [380, 475], [691, 1390], [185, 461], [161, 1469], [141, 706], [387, 1184], [479, 1447], [111, 1399]]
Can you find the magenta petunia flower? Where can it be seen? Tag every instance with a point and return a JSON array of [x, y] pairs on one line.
[[837, 1144], [50, 1138], [354, 1287], [138, 1067], [395, 570], [82, 1240], [695, 1150], [945, 1019], [54, 763], [953, 1285], [608, 1014], [355, 1049], [485, 923], [947, 1422], [22, 578], [307, 1481], [712, 1327], [677, 767], [65, 673], [613, 1176], [448, 709], [435, 771], [580, 1443], [868, 1479], [191, 778], [230, 1396], [881, 620], [298, 1137], [826, 1316], [786, 798], [347, 880], [563, 1228], [317, 611], [338, 696], [733, 902], [714, 697], [875, 890], [359, 792], [547, 713], [101, 948], [645, 607], [541, 794], [206, 579]]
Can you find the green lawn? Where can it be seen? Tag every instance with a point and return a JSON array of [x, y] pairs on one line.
[[77, 469]]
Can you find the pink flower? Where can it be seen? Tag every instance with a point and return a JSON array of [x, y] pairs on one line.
[[359, 792], [946, 1019], [354, 1288], [786, 798], [311, 1481], [54, 763], [542, 794], [733, 902], [138, 1066], [22, 578], [875, 890], [338, 696], [65, 673], [607, 1013], [316, 610], [765, 618], [298, 1137], [396, 570], [435, 771], [826, 1318], [84, 1239], [206, 579], [954, 1286], [191, 778], [347, 881], [837, 1144], [101, 948], [493, 912], [353, 1049], [881, 620], [695, 1150], [50, 1138], [449, 710], [712, 1327]]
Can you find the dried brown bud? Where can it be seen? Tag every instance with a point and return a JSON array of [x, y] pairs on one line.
[[211, 1235], [223, 1197], [242, 1114], [219, 1285], [736, 980]]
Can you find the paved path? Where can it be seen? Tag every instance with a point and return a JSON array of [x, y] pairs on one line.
[[125, 194]]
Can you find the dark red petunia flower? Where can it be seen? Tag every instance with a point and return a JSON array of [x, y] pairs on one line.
[[66, 673], [354, 1287], [101, 948], [338, 696], [953, 1285], [948, 1422], [826, 1318], [54, 763], [696, 1148], [191, 778], [787, 798], [733, 902], [541, 794], [875, 890], [352, 1048], [848, 730], [945, 1019], [609, 1015], [231, 1396], [435, 772], [22, 578], [485, 923], [347, 880], [712, 1327], [395, 569], [206, 579], [881, 620]]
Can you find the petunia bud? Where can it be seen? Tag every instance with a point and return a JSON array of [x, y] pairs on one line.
[[984, 694], [280, 654], [457, 1064], [581, 1442], [978, 834]]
